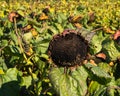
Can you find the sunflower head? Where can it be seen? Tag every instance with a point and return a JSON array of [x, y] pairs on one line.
[[68, 49]]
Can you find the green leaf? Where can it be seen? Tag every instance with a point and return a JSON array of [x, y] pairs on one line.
[[93, 87], [69, 26], [97, 74], [27, 37], [53, 30], [96, 89], [96, 42], [61, 18], [10, 75], [10, 83], [1, 32], [33, 22], [4, 42], [118, 82], [2, 64], [80, 75], [10, 89], [100, 92], [26, 81], [111, 87], [54, 76], [105, 66], [59, 27], [111, 49], [41, 65], [87, 34], [69, 84]]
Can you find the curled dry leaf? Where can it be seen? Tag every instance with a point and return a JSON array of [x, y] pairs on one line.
[[27, 49], [118, 40], [43, 16], [46, 10], [116, 35], [78, 25], [75, 19], [27, 28], [29, 52], [101, 55], [68, 31], [91, 16], [32, 14], [93, 62], [13, 15], [108, 30]]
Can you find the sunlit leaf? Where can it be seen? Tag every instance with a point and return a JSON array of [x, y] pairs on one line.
[[1, 71], [96, 73], [111, 49], [96, 42], [27, 80], [69, 84]]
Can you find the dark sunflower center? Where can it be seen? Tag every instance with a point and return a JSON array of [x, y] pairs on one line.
[[68, 50]]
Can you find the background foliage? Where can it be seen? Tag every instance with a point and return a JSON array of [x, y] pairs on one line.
[[24, 66]]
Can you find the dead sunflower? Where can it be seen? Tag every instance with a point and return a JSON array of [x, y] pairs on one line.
[[68, 49]]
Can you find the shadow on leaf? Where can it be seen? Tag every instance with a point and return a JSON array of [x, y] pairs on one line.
[[10, 89]]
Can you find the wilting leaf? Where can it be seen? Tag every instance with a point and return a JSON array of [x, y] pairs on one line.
[[101, 55], [116, 35], [87, 34]]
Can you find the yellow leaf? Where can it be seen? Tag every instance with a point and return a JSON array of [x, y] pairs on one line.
[[34, 76], [52, 10], [93, 62], [111, 64], [78, 25], [108, 30], [34, 32], [29, 62], [2, 14], [21, 13], [1, 71], [29, 52], [43, 17], [77, 18]]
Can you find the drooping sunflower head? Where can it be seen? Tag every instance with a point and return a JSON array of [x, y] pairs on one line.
[[68, 48]]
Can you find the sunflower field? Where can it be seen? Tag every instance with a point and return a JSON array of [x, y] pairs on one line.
[[26, 29]]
